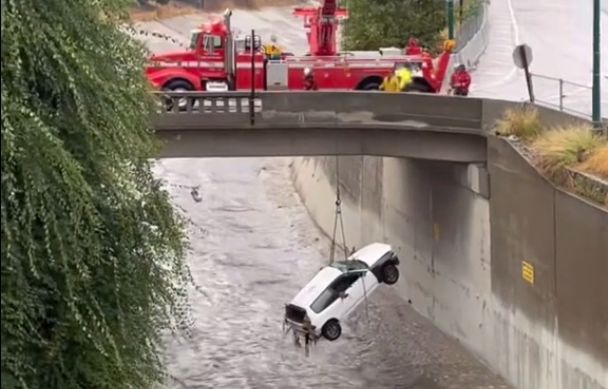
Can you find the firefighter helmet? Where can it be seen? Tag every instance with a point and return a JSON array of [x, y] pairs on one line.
[[459, 67]]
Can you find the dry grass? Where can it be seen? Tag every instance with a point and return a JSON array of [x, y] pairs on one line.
[[564, 147], [523, 123], [573, 156], [597, 163]]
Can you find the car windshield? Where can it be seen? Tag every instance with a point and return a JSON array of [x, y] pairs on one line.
[[349, 265]]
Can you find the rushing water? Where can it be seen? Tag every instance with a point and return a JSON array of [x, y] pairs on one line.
[[253, 246]]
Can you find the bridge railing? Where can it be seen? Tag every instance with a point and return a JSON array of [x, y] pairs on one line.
[[301, 109], [207, 103]]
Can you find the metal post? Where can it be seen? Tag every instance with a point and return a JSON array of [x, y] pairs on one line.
[[252, 96], [596, 108], [460, 14], [451, 19], [526, 64], [561, 94]]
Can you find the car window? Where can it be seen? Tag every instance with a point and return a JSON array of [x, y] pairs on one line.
[[349, 265], [324, 300], [345, 281], [332, 292]]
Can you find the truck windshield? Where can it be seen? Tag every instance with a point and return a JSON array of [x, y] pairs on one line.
[[212, 42]]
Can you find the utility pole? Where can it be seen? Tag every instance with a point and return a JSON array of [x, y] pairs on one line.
[[596, 105], [450, 19]]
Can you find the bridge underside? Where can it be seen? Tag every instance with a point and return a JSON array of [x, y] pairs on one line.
[[256, 142]]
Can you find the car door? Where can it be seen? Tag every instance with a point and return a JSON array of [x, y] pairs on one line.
[[345, 293], [366, 283]]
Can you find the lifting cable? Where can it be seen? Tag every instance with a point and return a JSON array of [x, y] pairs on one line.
[[338, 215]]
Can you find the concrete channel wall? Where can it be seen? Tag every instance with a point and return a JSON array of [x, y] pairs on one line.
[[469, 237]]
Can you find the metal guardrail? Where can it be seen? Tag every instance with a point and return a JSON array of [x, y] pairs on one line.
[[471, 24], [566, 96]]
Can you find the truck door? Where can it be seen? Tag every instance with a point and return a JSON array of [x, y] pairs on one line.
[[213, 49]]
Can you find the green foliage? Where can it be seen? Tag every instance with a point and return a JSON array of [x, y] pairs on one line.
[[92, 251], [384, 23], [469, 10]]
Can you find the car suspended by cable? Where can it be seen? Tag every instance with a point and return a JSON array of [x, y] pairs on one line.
[[337, 290]]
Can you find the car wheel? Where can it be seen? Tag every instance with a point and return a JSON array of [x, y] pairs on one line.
[[390, 274], [331, 330]]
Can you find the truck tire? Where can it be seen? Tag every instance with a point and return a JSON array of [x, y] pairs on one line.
[[418, 85], [370, 83], [177, 86], [331, 330]]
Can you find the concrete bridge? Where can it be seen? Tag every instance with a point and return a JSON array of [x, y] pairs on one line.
[[492, 253], [441, 128], [305, 124]]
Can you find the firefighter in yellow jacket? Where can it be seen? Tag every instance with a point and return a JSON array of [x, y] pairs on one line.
[[272, 50], [390, 83], [405, 78]]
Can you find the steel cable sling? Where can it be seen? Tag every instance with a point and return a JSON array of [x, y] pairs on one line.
[[338, 216]]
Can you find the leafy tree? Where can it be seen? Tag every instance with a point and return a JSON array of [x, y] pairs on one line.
[[384, 23], [92, 251]]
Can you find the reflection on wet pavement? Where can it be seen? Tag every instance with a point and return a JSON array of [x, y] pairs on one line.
[[253, 246]]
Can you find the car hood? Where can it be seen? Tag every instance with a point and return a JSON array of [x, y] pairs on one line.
[[311, 291], [371, 253]]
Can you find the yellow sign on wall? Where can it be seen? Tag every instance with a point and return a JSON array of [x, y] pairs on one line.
[[527, 272]]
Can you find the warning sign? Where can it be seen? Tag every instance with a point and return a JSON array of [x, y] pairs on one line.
[[527, 272]]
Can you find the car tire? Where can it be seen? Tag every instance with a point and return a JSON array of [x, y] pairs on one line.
[[331, 330], [390, 274]]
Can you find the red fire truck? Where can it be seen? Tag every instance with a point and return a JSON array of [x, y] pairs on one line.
[[218, 61]]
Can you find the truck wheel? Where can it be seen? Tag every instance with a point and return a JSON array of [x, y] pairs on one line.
[[370, 85], [331, 330], [390, 274], [178, 86], [419, 86]]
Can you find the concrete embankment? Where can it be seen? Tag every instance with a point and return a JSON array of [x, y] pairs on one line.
[[496, 257]]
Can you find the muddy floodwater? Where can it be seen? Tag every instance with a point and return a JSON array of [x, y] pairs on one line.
[[253, 246]]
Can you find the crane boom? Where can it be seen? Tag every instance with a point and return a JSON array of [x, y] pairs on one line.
[[322, 24]]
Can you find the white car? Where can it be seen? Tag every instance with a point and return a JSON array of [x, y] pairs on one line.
[[338, 289]]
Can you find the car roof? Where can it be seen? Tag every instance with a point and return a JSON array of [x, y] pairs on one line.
[[318, 284], [371, 252]]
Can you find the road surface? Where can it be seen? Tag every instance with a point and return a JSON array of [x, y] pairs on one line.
[[560, 35], [253, 246]]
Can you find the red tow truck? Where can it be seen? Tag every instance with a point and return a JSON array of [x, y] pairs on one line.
[[218, 61]]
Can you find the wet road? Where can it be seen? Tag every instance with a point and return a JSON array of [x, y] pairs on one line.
[[253, 246], [560, 35]]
